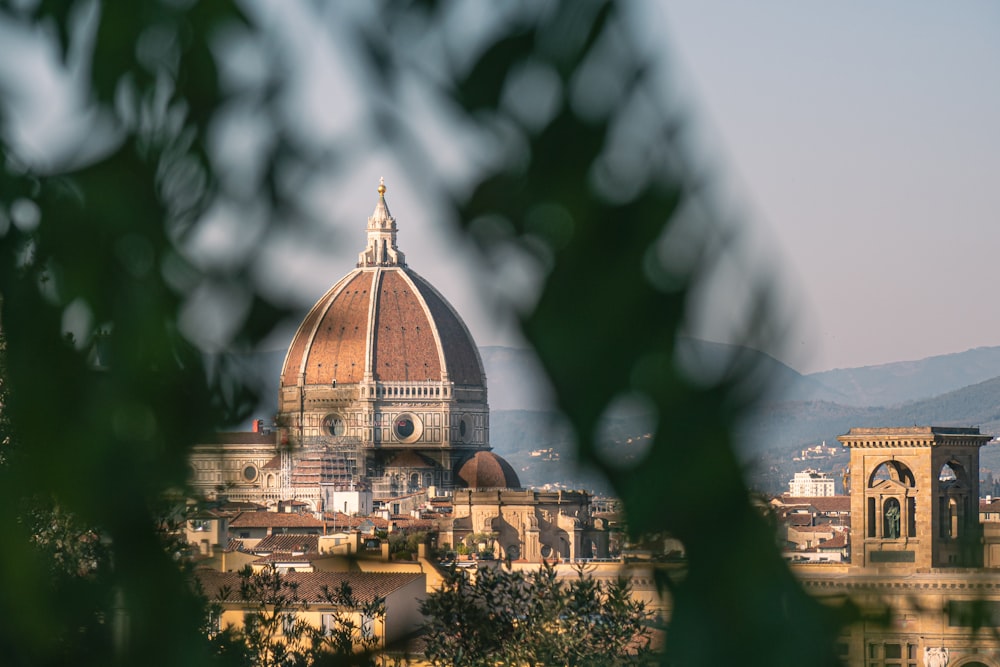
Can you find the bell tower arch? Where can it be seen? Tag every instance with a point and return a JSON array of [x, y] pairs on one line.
[[915, 499]]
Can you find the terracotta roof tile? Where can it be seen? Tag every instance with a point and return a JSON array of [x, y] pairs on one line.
[[838, 541], [283, 557], [332, 341], [287, 543], [405, 348], [486, 470], [343, 521], [461, 356], [337, 351], [274, 519], [821, 503]]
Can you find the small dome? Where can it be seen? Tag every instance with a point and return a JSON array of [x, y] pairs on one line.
[[486, 470]]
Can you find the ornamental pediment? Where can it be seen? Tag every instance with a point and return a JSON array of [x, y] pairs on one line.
[[890, 486]]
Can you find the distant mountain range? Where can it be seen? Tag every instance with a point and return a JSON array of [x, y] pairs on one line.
[[960, 389]]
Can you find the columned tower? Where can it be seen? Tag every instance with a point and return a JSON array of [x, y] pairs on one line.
[[915, 497]]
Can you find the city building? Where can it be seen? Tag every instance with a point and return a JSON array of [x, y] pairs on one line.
[[811, 483], [917, 552], [382, 391], [313, 603]]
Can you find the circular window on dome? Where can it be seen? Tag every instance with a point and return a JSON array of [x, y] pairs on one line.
[[407, 427], [250, 472], [465, 429], [335, 425]]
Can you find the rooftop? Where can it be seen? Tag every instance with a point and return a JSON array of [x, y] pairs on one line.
[[310, 587], [274, 519]]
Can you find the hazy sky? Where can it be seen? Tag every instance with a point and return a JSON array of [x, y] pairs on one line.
[[857, 144], [862, 140]]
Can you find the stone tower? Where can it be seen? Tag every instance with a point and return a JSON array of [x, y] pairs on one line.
[[915, 497]]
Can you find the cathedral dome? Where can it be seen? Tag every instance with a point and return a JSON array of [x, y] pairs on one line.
[[486, 470], [382, 323]]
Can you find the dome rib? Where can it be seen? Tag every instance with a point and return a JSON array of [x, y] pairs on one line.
[[370, 331], [340, 335], [463, 364], [442, 370], [486, 470], [301, 347]]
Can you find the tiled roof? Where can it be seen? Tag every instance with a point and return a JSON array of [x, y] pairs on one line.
[[821, 503], [838, 541], [274, 519], [408, 523], [798, 520], [283, 557], [405, 346], [309, 586], [241, 506], [287, 543], [815, 529], [408, 319], [486, 470], [340, 521], [460, 352]]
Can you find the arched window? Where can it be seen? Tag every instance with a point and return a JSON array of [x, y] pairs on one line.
[[894, 471]]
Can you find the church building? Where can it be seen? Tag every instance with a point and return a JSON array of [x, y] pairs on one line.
[[382, 390]]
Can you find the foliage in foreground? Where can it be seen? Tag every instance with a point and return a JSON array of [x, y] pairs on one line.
[[274, 634], [513, 618], [580, 174]]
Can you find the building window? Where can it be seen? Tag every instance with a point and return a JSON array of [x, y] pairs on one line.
[[892, 654], [367, 626], [871, 517], [328, 624], [335, 425], [250, 620], [287, 624]]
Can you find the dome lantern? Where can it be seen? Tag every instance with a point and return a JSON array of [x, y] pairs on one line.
[[381, 249]]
